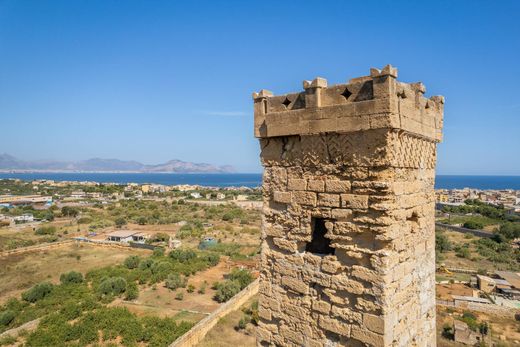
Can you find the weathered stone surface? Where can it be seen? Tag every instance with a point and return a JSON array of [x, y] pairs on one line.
[[304, 198], [328, 200], [357, 159], [337, 186], [354, 201]]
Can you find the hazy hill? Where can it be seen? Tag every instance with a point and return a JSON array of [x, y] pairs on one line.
[[10, 163]]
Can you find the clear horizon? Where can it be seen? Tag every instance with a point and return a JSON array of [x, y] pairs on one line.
[[132, 81]]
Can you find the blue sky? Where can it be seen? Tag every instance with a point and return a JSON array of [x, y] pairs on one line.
[[157, 80]]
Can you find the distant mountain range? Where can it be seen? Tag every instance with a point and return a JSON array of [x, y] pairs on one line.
[[10, 163]]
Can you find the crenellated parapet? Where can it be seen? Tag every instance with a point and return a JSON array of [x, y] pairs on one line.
[[377, 101]]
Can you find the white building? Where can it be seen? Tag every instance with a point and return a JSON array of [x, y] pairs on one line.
[[24, 218], [126, 236]]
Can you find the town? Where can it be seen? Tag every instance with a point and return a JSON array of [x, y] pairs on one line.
[[508, 198]]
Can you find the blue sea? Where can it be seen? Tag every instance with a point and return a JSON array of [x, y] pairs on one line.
[[248, 180]]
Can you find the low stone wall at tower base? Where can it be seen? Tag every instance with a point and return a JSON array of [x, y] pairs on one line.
[[197, 333]]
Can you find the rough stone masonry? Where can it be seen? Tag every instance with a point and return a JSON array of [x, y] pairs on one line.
[[348, 256]]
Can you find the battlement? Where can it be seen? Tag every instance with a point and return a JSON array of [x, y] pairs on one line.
[[377, 101]]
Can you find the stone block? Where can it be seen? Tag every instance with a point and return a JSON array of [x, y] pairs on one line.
[[304, 198], [282, 197], [337, 186], [296, 184], [295, 285], [284, 244], [321, 306], [316, 185], [369, 338], [334, 325], [341, 214], [374, 323], [328, 200], [354, 201]]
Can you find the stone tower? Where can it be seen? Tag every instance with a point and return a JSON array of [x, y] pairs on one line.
[[348, 255]]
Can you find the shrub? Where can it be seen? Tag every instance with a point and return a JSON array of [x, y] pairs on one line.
[[470, 319], [71, 277], [226, 290], [182, 256], [37, 292], [442, 243], [471, 224], [132, 292], [132, 262], [463, 252], [6, 317], [483, 328], [242, 323], [68, 211], [85, 220], [161, 237], [202, 289], [112, 285], [146, 264], [191, 288], [179, 296], [158, 252], [120, 222], [46, 230], [242, 276], [447, 331], [175, 281]]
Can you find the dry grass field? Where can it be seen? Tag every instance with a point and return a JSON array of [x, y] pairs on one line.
[[474, 262], [161, 301], [21, 271], [226, 334]]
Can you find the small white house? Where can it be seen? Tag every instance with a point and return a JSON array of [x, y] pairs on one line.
[[126, 236], [24, 218]]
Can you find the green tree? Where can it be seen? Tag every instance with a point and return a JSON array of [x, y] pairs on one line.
[[174, 281], [68, 211], [120, 221], [46, 230], [132, 262]]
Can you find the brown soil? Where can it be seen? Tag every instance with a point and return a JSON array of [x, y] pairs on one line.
[[445, 291]]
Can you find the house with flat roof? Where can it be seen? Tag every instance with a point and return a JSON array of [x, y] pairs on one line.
[[126, 236]]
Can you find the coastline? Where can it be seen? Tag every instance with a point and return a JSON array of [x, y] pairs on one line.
[[251, 180]]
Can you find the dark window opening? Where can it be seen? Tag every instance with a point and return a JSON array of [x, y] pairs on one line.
[[286, 102], [346, 94], [319, 243]]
